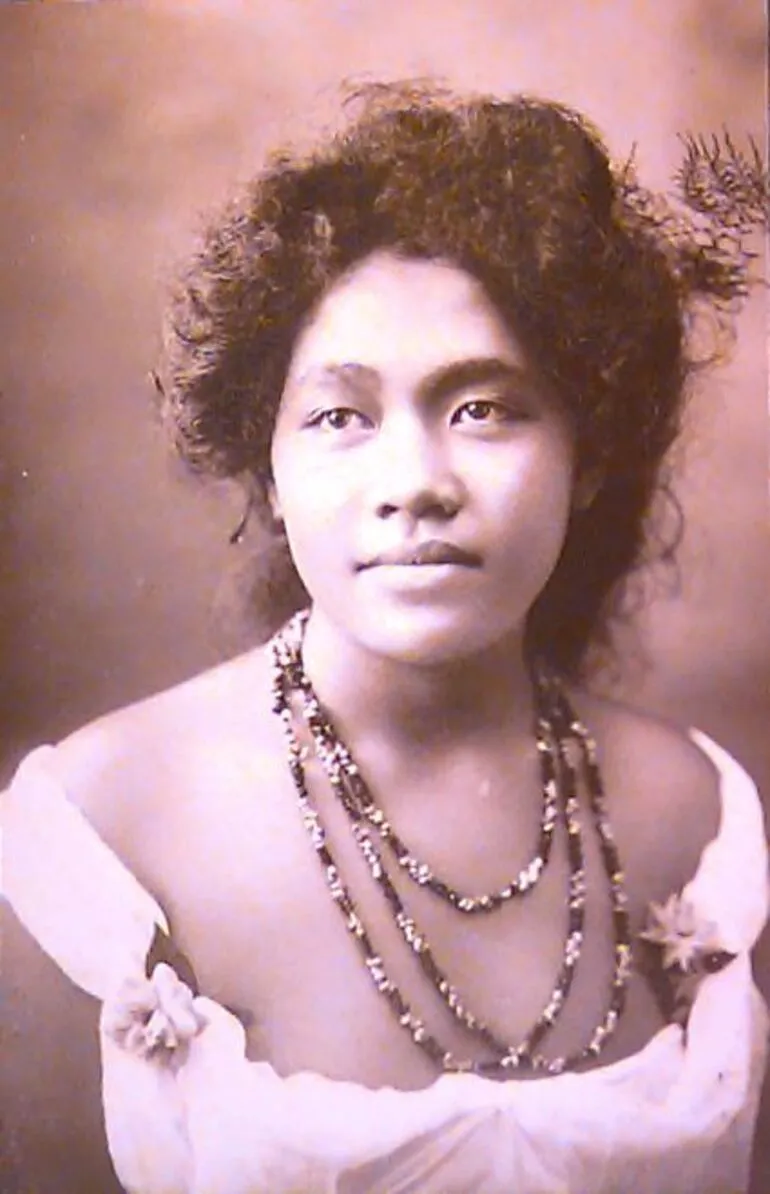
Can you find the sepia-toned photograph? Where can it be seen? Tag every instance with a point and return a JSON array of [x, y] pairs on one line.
[[384, 751]]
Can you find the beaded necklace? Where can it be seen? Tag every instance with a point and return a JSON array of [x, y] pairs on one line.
[[556, 727], [344, 775]]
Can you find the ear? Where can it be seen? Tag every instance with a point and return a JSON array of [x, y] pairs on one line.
[[587, 485], [274, 502], [276, 512]]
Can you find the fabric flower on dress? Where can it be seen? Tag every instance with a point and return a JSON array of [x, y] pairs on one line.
[[690, 950], [686, 938], [153, 1017]]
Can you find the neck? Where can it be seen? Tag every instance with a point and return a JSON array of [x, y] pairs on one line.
[[473, 699]]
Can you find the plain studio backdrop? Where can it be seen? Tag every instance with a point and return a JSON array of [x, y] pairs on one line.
[[122, 123]]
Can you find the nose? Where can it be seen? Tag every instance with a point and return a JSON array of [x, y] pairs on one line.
[[413, 473]]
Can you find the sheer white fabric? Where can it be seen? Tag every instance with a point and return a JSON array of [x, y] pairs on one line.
[[187, 1113]]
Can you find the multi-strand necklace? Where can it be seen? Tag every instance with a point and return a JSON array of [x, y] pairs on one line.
[[557, 729]]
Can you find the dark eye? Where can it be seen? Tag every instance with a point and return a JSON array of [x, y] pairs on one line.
[[337, 418], [483, 411]]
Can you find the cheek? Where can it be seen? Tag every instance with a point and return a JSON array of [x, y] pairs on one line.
[[535, 496], [311, 500]]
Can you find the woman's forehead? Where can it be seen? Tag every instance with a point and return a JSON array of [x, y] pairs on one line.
[[391, 312]]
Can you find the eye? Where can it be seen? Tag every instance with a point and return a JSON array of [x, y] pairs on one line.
[[483, 412], [338, 418]]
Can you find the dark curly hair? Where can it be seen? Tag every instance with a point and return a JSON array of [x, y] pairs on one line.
[[521, 194]]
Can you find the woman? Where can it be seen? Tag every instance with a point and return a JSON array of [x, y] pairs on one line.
[[446, 353]]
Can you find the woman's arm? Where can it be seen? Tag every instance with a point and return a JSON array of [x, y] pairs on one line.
[[53, 1138], [760, 1158]]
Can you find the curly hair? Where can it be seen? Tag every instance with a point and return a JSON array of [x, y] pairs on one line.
[[521, 194]]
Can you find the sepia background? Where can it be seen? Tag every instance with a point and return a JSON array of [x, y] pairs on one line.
[[122, 124]]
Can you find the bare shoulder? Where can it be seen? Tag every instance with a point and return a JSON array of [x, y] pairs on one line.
[[133, 770], [663, 792], [163, 783]]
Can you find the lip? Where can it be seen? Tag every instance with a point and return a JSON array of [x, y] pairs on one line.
[[430, 552]]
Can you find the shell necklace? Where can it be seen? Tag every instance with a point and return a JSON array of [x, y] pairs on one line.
[[557, 730]]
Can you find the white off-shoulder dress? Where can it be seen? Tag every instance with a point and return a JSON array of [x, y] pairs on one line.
[[186, 1112]]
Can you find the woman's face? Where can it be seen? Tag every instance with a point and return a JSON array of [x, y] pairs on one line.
[[423, 475]]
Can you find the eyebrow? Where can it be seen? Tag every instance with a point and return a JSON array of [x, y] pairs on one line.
[[350, 374], [474, 371], [442, 382]]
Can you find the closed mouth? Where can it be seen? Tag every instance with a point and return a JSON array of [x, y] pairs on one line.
[[431, 552]]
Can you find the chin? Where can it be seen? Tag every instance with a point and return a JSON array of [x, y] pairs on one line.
[[427, 636]]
